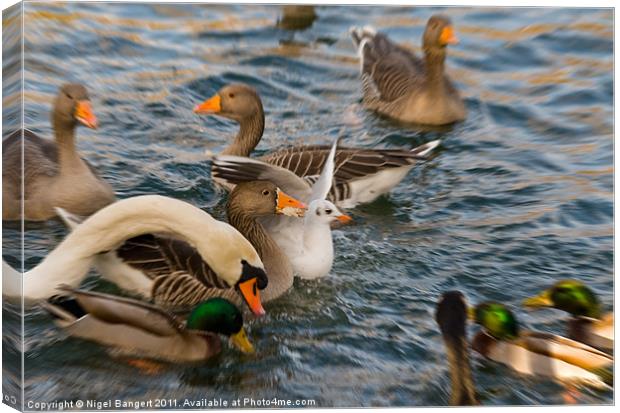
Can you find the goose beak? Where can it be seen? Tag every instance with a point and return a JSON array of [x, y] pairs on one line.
[[448, 37], [241, 341], [211, 105], [287, 205], [249, 291], [541, 300], [344, 219], [84, 114]]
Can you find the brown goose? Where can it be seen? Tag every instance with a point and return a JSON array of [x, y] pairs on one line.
[[361, 175], [54, 174], [174, 275], [398, 84]]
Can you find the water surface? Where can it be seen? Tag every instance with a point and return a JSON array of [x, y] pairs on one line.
[[518, 196]]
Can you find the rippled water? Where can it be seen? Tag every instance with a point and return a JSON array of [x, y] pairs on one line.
[[519, 195]]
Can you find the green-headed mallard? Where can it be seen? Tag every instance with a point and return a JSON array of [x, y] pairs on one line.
[[537, 353], [588, 324], [451, 316], [145, 330]]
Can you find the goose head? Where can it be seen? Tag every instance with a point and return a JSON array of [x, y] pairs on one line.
[[72, 107], [325, 212], [220, 316], [235, 101], [439, 33], [451, 316], [263, 198], [568, 295]]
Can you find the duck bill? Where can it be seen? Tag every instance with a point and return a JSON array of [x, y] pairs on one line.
[[541, 300], [212, 105], [448, 37], [287, 205], [471, 314], [250, 293], [84, 114], [240, 340]]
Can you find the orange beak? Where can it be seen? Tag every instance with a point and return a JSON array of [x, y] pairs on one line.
[[447, 36], [288, 205], [344, 219], [212, 105], [84, 114], [249, 291]]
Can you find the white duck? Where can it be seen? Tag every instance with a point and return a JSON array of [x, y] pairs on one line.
[[308, 243], [234, 267]]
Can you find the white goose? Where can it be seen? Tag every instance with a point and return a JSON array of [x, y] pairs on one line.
[[234, 266], [308, 243]]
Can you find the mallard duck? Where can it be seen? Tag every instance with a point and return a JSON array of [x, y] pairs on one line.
[[52, 173], [537, 353], [451, 316], [234, 266], [398, 84], [361, 175], [146, 330], [308, 243], [588, 324]]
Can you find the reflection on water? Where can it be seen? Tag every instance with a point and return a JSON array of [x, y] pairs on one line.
[[519, 195]]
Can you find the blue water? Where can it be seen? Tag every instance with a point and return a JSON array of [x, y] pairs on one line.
[[518, 196]]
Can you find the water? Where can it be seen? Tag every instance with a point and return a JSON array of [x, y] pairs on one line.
[[518, 196]]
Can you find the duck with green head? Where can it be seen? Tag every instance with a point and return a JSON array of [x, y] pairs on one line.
[[528, 352], [145, 330], [588, 324]]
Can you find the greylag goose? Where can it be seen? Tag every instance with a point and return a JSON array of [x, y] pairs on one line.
[[245, 207], [296, 17], [144, 330], [398, 84], [54, 175], [171, 272], [451, 316], [307, 244], [361, 175], [231, 266]]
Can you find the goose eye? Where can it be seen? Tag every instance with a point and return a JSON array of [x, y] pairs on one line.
[[69, 96], [328, 211], [265, 192], [231, 95]]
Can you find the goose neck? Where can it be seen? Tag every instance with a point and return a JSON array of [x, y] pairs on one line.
[[250, 133], [68, 157], [434, 58]]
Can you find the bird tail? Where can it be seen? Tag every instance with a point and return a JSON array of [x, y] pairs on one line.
[[69, 219], [361, 37], [606, 375], [426, 149], [65, 310]]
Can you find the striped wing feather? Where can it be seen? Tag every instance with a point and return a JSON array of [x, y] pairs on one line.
[[121, 310], [180, 275], [393, 70], [351, 163]]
